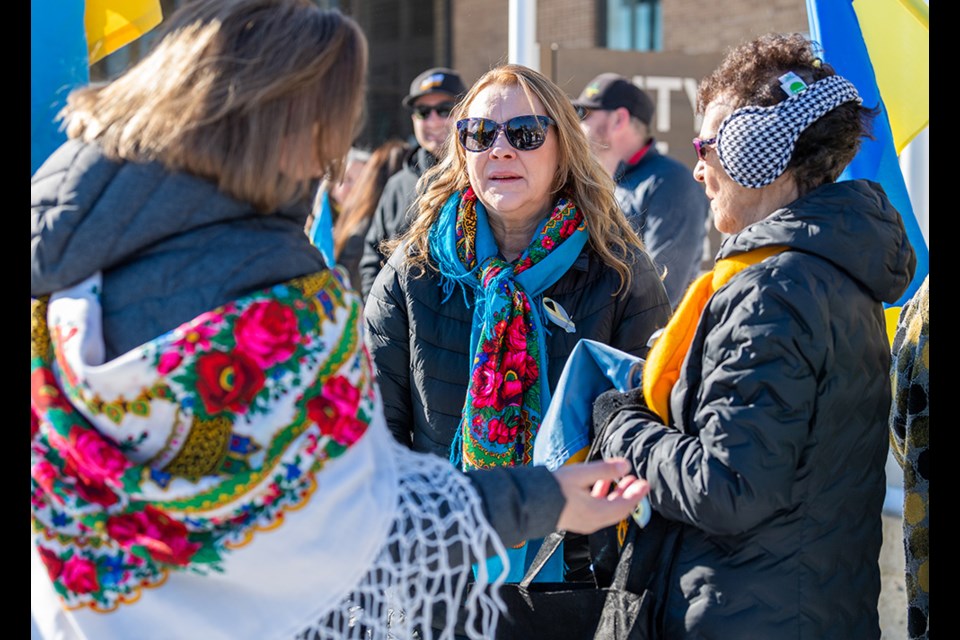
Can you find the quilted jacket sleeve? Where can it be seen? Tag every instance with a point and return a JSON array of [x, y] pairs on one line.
[[388, 339]]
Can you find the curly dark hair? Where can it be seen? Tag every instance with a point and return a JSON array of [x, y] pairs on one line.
[[749, 75]]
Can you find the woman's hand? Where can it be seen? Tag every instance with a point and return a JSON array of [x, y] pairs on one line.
[[598, 494]]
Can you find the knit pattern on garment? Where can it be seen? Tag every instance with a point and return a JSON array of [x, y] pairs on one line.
[[910, 443]]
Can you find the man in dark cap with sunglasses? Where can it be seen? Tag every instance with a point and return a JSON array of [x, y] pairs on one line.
[[432, 96], [657, 193]]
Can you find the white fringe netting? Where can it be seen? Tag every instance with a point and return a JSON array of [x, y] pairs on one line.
[[419, 584]]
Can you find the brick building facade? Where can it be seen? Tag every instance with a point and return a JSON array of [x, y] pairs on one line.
[[408, 36]]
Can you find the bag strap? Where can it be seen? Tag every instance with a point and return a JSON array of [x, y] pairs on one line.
[[621, 573], [550, 544]]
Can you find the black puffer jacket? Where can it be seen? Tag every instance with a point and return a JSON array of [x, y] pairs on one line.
[[421, 344], [774, 463]]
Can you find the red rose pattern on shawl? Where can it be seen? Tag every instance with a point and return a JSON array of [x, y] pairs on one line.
[[99, 543]]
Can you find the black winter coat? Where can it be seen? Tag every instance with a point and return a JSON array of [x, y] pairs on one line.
[[774, 459]]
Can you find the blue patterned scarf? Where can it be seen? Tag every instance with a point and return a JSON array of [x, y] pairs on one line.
[[508, 388]]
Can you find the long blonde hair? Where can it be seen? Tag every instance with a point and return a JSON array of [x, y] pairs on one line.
[[238, 92], [580, 176]]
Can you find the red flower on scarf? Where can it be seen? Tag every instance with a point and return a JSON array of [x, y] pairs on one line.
[[492, 346], [267, 331], [518, 372], [34, 421], [227, 380], [335, 411], [44, 474], [569, 226], [169, 361], [45, 391], [199, 333], [51, 561], [499, 432], [164, 538], [516, 334], [80, 575], [93, 462], [96, 494], [347, 430], [487, 381], [512, 389], [547, 242]]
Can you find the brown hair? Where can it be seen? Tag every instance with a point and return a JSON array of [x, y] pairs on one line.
[[385, 161], [749, 75], [255, 95], [580, 176]]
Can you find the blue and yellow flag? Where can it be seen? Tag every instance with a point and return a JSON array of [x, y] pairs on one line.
[[66, 37], [882, 47]]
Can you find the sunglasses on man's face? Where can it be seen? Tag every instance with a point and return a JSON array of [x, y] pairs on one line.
[[702, 145], [422, 111], [524, 133]]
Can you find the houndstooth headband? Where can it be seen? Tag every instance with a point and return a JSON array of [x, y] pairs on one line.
[[755, 144]]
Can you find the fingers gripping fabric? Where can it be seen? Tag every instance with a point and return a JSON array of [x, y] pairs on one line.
[[755, 144]]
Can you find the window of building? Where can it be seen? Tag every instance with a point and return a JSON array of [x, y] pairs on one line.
[[633, 25]]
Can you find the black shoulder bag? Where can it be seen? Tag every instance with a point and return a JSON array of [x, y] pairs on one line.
[[627, 607], [626, 597]]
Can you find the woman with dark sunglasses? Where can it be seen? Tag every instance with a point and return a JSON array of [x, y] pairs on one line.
[[518, 251]]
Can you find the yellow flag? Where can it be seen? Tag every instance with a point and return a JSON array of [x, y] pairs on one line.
[[897, 35], [112, 24]]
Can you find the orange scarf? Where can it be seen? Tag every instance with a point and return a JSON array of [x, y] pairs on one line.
[[662, 367]]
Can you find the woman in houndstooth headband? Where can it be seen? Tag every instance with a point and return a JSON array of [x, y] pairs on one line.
[[761, 421]]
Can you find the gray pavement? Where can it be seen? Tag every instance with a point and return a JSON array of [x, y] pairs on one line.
[[893, 593]]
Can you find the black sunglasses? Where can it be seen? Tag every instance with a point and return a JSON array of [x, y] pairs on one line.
[[701, 146], [422, 111], [524, 133], [582, 112]]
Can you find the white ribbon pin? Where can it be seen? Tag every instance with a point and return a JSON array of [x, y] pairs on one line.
[[558, 315]]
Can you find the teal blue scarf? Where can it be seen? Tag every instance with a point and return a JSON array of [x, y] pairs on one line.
[[508, 389]]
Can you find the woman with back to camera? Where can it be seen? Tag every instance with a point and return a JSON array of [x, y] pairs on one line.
[[761, 422], [329, 201], [352, 223], [518, 251], [209, 457]]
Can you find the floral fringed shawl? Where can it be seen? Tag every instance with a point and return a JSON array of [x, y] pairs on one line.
[[246, 448]]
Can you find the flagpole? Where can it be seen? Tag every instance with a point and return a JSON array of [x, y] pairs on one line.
[[915, 165], [523, 33]]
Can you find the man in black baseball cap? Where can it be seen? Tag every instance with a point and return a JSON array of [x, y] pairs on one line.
[[658, 194], [433, 94], [435, 80], [610, 91]]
